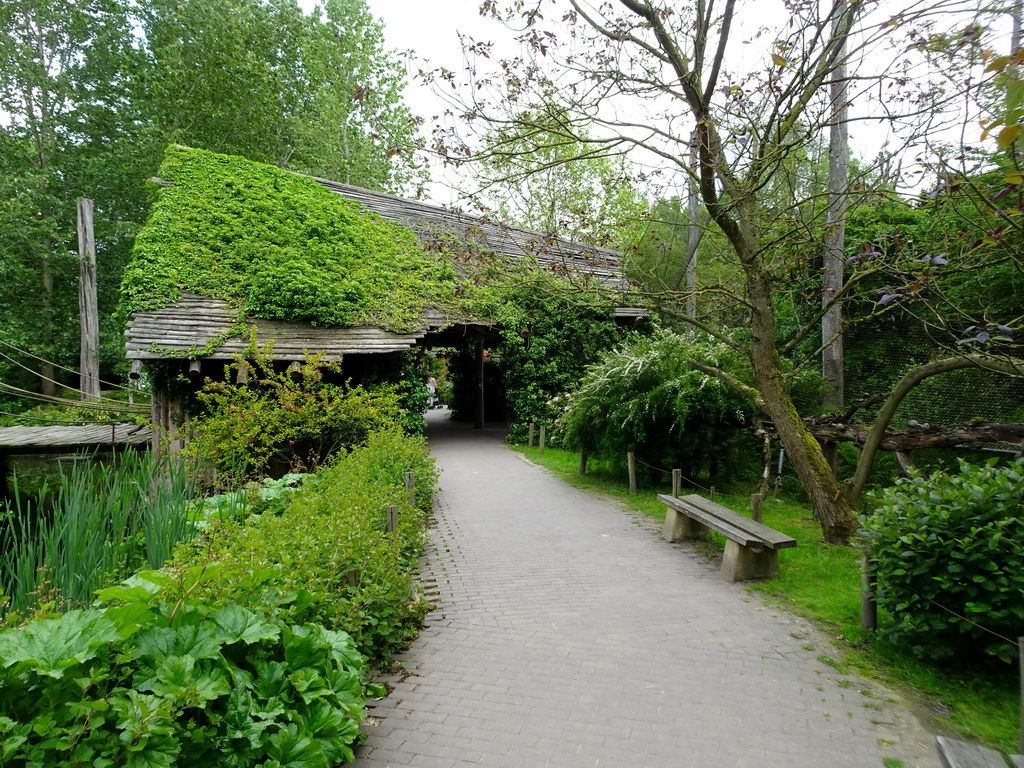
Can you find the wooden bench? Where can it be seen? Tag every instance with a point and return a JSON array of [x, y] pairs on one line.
[[752, 549], [960, 754]]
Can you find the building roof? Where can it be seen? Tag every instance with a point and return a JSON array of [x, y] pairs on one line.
[[203, 327], [432, 222]]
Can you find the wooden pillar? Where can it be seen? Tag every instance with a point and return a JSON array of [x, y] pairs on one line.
[[157, 417], [478, 370], [631, 469], [88, 312], [868, 606]]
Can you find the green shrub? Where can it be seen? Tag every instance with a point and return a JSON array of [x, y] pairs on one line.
[[948, 557], [164, 676], [279, 420], [644, 397], [331, 541]]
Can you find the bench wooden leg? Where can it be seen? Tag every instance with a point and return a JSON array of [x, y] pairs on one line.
[[679, 526], [746, 563]]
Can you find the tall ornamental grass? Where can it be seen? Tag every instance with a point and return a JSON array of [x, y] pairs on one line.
[[99, 524]]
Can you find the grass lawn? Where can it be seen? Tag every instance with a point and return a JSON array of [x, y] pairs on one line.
[[822, 582]]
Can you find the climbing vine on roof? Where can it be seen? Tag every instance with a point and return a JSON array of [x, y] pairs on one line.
[[278, 246]]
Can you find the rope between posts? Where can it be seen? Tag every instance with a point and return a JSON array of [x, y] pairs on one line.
[[964, 618], [668, 472]]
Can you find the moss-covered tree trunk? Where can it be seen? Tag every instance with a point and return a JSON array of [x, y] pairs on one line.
[[832, 510]]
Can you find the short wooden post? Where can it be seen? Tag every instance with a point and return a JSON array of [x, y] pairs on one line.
[[540, 445], [410, 488], [242, 376], [631, 466], [583, 462], [677, 482], [868, 606], [712, 493], [392, 518], [529, 439], [755, 507]]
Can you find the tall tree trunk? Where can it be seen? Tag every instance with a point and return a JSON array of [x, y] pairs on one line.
[[831, 508], [835, 230], [693, 232]]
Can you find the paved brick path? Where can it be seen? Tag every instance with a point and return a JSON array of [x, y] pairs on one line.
[[567, 634]]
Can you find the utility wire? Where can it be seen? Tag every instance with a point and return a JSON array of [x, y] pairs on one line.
[[58, 421], [25, 352], [85, 404], [45, 378]]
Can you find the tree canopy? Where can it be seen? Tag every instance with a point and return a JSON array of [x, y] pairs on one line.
[[93, 92]]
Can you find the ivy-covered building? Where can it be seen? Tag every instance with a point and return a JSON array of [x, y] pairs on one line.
[[238, 256]]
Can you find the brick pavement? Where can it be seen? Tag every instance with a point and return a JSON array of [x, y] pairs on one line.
[[568, 634]]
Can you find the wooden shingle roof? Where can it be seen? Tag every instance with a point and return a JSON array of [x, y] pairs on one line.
[[432, 222], [187, 327], [203, 327]]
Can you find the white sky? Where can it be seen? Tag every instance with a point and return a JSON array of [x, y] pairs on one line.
[[431, 30]]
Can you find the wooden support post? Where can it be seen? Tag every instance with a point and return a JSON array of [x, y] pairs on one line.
[[583, 462], [712, 493], [88, 311], [478, 404], [410, 488], [529, 439], [540, 444], [242, 376], [631, 467], [868, 606], [677, 482], [392, 518], [755, 507]]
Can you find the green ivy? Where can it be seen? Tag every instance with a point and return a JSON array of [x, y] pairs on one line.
[[278, 246]]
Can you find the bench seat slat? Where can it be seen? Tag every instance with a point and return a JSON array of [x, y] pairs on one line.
[[715, 516], [713, 521]]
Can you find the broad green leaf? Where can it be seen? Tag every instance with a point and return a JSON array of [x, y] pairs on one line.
[[199, 641], [271, 680], [51, 646], [309, 684], [332, 729], [140, 588], [240, 624], [295, 749], [180, 677], [130, 618]]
